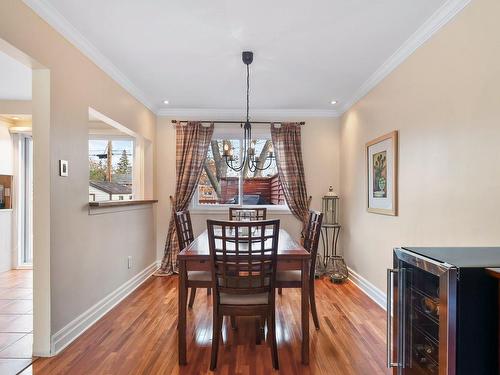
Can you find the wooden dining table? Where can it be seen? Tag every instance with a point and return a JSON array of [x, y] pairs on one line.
[[196, 257]]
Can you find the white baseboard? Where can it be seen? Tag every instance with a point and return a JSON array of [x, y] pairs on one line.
[[378, 296], [80, 324]]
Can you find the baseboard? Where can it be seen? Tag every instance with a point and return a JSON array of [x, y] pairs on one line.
[[368, 288], [75, 328]]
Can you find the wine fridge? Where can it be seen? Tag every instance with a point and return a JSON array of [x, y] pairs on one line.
[[442, 311]]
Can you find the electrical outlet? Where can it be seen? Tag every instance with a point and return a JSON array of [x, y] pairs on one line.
[[129, 262]]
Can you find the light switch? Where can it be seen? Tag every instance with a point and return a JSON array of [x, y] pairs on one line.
[[63, 168]]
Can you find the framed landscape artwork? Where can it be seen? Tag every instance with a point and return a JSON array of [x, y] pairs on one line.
[[382, 174]]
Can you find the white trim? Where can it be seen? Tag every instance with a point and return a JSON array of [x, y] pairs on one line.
[[236, 114], [80, 324], [368, 288], [434, 23], [50, 14]]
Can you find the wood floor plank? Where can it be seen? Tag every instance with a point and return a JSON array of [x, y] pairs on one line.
[[139, 336]]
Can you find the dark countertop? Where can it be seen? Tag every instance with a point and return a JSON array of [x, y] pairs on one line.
[[461, 257]]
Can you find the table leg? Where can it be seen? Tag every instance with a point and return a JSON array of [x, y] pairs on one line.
[[305, 312], [181, 326]]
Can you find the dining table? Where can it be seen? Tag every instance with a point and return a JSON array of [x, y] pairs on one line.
[[196, 257]]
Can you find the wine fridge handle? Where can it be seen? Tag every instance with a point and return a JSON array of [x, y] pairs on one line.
[[390, 273]]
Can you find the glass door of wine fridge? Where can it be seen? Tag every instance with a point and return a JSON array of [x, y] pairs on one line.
[[421, 315]]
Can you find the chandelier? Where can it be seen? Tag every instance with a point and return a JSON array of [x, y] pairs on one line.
[[248, 151]]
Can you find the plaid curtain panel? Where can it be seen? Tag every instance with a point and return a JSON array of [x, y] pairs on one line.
[[287, 146], [192, 141]]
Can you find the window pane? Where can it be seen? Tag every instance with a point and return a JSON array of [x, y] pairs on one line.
[[219, 184], [262, 187], [110, 179]]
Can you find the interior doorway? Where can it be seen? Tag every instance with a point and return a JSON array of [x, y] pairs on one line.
[[24, 210]]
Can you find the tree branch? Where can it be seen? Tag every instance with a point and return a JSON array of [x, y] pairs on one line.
[[213, 180]]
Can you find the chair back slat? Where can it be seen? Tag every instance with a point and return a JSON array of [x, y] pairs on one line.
[[183, 228], [243, 255], [311, 238], [247, 214]]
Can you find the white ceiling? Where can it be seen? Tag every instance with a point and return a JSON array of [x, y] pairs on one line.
[[15, 79], [307, 53]]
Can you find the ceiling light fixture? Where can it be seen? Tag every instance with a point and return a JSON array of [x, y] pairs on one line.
[[165, 102], [248, 151], [333, 102]]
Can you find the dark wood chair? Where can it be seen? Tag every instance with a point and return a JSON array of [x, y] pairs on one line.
[[242, 213], [243, 260], [195, 279], [292, 279]]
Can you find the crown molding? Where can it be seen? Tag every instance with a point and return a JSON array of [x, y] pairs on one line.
[[55, 19], [434, 23], [231, 114]]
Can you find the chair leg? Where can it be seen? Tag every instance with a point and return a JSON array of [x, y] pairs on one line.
[[216, 332], [209, 291], [312, 299], [191, 298], [271, 324], [280, 290], [258, 334], [234, 326]]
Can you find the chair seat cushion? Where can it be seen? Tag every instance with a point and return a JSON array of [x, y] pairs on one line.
[[199, 275], [290, 275], [244, 299]]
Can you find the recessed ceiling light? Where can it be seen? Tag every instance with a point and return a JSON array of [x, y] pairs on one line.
[[333, 102], [165, 102]]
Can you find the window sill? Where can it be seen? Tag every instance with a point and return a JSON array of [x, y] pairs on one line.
[[134, 202], [271, 209], [110, 207]]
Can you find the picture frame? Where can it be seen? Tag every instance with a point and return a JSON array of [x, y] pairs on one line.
[[382, 174]]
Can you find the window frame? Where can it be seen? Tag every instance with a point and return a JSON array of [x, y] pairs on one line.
[[135, 144], [217, 208]]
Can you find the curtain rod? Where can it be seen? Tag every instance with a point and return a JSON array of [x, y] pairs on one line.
[[233, 122]]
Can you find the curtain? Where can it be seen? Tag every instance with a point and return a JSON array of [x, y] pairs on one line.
[[192, 141], [287, 145]]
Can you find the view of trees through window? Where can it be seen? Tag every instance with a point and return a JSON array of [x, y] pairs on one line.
[[110, 169], [219, 184]]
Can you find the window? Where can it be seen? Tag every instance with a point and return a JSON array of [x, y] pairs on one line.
[[111, 163], [220, 185]]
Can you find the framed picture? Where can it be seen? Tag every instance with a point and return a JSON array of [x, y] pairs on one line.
[[382, 174]]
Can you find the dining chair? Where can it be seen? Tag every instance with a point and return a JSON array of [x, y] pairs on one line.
[[242, 213], [245, 214], [293, 279], [243, 258], [195, 279]]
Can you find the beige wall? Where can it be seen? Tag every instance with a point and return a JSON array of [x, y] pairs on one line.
[[444, 100], [87, 252], [6, 148], [17, 107], [320, 148], [6, 167]]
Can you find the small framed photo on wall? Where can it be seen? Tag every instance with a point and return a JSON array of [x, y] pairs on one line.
[[382, 174]]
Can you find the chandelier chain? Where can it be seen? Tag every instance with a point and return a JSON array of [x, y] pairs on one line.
[[246, 156]]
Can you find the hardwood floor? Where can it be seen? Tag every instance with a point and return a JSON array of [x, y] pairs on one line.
[[139, 337]]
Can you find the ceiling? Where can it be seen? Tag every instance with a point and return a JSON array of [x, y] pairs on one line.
[[306, 53], [15, 79]]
